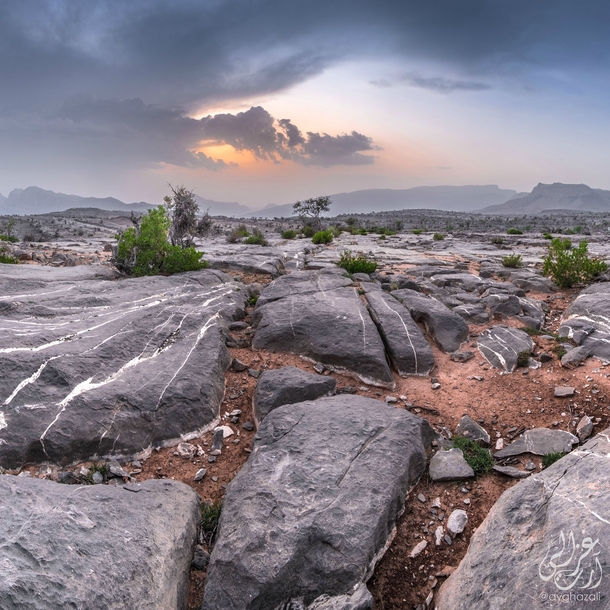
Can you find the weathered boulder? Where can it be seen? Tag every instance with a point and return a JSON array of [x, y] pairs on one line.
[[505, 347], [96, 547], [407, 347], [313, 508], [288, 385], [539, 441], [575, 357], [544, 536], [471, 429], [316, 315], [586, 320], [448, 329], [449, 465], [113, 367]]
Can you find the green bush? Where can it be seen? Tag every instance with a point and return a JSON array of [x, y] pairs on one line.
[[308, 231], [551, 458], [7, 260], [523, 359], [10, 238], [356, 264], [512, 261], [242, 231], [497, 240], [289, 234], [256, 239], [478, 458], [568, 266], [417, 231], [382, 236], [145, 249], [322, 237], [547, 236], [513, 231], [438, 237], [336, 231]]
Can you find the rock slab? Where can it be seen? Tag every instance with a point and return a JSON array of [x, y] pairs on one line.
[[542, 542], [504, 347], [288, 385], [313, 508], [96, 547], [449, 465], [540, 441]]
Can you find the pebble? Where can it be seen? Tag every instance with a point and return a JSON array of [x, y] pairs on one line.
[[438, 535], [391, 399], [418, 549], [457, 521], [564, 391], [467, 501], [529, 465], [215, 479], [97, 478], [249, 426], [254, 373], [212, 459], [200, 474], [421, 497], [319, 368], [436, 503], [436, 386], [448, 540]]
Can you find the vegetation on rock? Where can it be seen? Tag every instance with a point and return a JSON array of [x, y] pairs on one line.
[[356, 264]]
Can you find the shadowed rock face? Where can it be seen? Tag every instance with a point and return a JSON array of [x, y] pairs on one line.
[[317, 315], [315, 503], [587, 320], [407, 347], [448, 329], [96, 547], [544, 536], [110, 367]]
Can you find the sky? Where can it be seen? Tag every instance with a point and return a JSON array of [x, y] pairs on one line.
[[271, 101]]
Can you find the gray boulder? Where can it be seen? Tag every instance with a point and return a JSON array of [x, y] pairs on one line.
[[575, 357], [288, 385], [117, 367], [542, 540], [96, 547], [539, 441], [586, 320], [449, 465], [448, 329], [313, 508], [502, 346], [471, 429], [263, 262], [407, 347], [314, 314], [477, 314]]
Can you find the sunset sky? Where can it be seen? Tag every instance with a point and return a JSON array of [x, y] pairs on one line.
[[276, 100]]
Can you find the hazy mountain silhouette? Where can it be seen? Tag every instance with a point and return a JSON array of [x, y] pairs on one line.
[[457, 198], [557, 196]]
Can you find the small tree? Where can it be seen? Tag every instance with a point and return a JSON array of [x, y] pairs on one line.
[[183, 210], [311, 209]]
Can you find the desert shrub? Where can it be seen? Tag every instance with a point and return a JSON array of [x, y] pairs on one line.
[[289, 234], [356, 264], [568, 266], [256, 239], [252, 300], [7, 260], [512, 261], [210, 516], [322, 237], [336, 231], [547, 236], [10, 238], [145, 248], [497, 240], [559, 350], [308, 231], [417, 231], [242, 231], [382, 236], [514, 231], [551, 458], [438, 237], [478, 458], [523, 359]]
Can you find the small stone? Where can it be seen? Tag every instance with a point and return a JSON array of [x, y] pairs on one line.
[[249, 426], [457, 521], [564, 392], [529, 465], [460, 356], [186, 450], [136, 464], [449, 466], [436, 503], [227, 431], [438, 535], [238, 366], [421, 497], [448, 540], [511, 471], [467, 501], [97, 478], [391, 399], [201, 559], [436, 386], [584, 428], [418, 549], [499, 444], [200, 474], [544, 357], [318, 367], [215, 479], [212, 459], [254, 373]]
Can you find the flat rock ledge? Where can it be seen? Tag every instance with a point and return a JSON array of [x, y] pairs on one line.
[[98, 547], [313, 509], [544, 542]]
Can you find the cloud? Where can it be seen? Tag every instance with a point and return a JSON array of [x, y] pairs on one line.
[[130, 134], [438, 84]]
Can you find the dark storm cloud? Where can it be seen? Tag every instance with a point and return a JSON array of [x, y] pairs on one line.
[[155, 58], [131, 131]]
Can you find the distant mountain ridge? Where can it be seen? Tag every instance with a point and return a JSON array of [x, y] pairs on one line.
[[456, 198], [34, 200], [557, 196]]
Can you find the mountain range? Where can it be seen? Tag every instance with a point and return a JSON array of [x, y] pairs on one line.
[[552, 197], [488, 199]]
